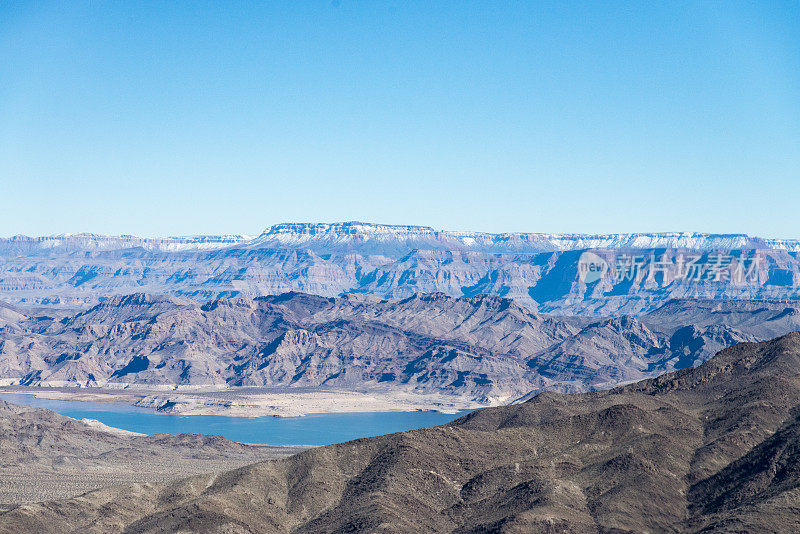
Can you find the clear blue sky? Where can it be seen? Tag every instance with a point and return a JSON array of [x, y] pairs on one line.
[[165, 118]]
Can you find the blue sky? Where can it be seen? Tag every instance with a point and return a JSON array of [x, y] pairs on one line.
[[166, 118]]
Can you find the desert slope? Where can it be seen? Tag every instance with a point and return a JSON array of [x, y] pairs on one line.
[[711, 447], [44, 455]]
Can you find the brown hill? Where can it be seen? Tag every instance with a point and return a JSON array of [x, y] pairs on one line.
[[708, 448]]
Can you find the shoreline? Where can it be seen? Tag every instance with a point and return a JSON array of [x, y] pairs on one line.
[[255, 402]]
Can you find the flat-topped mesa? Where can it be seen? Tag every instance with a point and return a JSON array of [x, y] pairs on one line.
[[538, 270], [349, 234], [354, 231], [347, 228]]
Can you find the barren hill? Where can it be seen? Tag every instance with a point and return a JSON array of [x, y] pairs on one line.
[[483, 348], [707, 448]]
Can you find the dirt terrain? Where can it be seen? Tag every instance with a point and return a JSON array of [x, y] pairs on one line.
[[44, 455]]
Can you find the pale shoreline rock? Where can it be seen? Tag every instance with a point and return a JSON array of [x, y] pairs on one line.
[[230, 403]]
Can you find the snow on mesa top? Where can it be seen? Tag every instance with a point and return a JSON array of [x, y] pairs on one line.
[[359, 232], [354, 234]]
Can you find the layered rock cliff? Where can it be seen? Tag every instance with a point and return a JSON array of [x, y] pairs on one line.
[[635, 273]]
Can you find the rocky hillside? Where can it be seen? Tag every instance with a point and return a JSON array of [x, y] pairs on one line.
[[544, 272], [712, 448], [482, 348]]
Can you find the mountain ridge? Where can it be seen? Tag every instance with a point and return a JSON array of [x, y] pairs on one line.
[[485, 348]]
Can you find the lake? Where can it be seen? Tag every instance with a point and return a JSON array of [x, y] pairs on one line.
[[314, 429]]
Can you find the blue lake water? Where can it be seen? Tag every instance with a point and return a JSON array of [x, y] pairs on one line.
[[314, 429]]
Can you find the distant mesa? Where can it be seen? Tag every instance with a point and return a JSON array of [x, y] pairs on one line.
[[638, 272]]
